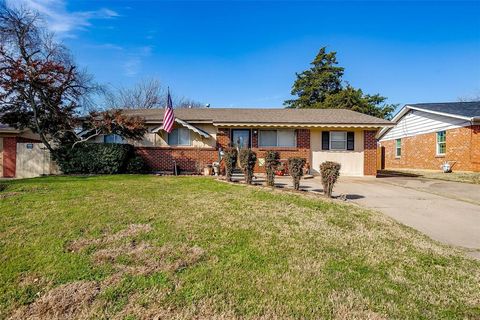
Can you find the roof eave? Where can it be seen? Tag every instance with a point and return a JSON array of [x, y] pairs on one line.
[[441, 113], [10, 131], [303, 124], [407, 108]]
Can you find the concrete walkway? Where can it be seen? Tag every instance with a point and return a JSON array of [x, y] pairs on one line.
[[446, 211]]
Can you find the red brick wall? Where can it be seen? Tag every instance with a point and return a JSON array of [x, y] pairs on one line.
[[302, 150], [9, 156], [419, 152], [223, 138], [369, 153], [161, 158], [475, 148]]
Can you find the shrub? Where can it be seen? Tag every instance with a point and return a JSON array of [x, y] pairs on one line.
[[330, 172], [295, 168], [272, 162], [93, 158], [230, 158], [136, 164], [248, 158]]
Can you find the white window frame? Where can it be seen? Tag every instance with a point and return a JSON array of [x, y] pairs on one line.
[[178, 136], [331, 140], [438, 143], [277, 146], [398, 148]]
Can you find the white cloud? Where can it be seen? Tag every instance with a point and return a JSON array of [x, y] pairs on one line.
[[133, 64], [61, 21], [131, 67]]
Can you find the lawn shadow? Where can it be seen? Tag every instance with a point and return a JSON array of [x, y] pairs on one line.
[[392, 173], [354, 196]]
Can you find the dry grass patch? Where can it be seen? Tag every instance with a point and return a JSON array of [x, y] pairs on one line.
[[131, 231], [67, 301]]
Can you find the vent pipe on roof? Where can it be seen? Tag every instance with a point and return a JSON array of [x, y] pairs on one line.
[[207, 105]]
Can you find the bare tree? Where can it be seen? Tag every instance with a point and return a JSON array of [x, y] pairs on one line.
[[188, 103], [147, 94], [474, 98], [41, 88]]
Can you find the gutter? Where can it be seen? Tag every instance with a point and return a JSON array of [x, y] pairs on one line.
[[304, 125]]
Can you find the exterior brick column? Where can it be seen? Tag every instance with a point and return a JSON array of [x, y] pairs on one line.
[[223, 138], [9, 156], [254, 138], [303, 139], [475, 148], [369, 153]]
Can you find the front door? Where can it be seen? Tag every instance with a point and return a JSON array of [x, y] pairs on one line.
[[241, 138]]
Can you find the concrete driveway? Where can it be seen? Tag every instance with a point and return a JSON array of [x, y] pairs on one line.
[[446, 211]]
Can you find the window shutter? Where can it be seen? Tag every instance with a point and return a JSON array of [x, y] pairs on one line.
[[350, 140], [325, 140]]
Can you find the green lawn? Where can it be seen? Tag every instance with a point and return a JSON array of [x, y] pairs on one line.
[[135, 247]]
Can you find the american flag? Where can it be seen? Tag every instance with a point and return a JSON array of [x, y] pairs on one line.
[[168, 117]]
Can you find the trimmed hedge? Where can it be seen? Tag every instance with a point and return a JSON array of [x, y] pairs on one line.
[[248, 158], [230, 159], [272, 162], [295, 168], [330, 172], [94, 158], [136, 164]]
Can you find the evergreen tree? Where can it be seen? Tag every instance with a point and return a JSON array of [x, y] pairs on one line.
[[313, 85], [355, 100], [321, 87]]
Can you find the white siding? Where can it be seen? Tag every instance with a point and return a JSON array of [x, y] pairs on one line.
[[351, 161], [418, 122], [160, 139]]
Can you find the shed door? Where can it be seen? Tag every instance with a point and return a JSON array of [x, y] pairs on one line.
[[33, 160]]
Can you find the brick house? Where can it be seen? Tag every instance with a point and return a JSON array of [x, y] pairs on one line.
[[317, 135], [428, 134]]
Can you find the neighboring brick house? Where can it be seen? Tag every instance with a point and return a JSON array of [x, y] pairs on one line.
[[317, 135], [427, 135]]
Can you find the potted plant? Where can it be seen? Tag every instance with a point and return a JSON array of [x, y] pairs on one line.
[[280, 171], [207, 170], [216, 168]]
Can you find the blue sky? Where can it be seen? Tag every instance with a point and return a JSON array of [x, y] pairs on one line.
[[245, 54]]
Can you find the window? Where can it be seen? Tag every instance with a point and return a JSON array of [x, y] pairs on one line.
[[338, 140], [398, 148], [179, 137], [277, 138], [113, 138], [441, 143]]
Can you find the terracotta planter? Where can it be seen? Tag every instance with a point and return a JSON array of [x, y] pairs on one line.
[[207, 171]]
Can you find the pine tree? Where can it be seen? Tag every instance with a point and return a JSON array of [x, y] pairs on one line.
[[321, 87], [313, 85]]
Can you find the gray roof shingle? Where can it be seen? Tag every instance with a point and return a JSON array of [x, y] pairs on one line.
[[266, 116], [464, 109]]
